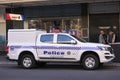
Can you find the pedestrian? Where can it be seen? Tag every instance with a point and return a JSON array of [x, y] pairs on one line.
[[111, 37], [103, 37]]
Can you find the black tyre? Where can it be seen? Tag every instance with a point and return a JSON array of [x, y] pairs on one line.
[[90, 62], [27, 61]]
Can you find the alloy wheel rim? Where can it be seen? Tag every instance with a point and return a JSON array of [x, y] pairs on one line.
[[90, 62], [27, 62]]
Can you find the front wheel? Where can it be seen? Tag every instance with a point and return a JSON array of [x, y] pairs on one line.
[[28, 61], [90, 62]]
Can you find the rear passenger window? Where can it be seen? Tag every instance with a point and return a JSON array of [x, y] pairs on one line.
[[63, 39], [46, 38]]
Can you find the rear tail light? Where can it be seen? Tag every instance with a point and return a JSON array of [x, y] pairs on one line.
[[7, 49]]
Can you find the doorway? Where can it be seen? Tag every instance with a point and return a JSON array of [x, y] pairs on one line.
[[104, 22]]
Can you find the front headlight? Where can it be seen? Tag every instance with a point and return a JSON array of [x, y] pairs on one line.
[[103, 48]]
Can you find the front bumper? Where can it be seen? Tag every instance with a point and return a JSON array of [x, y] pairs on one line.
[[107, 57]]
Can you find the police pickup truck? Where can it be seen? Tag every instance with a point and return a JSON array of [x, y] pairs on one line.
[[30, 47]]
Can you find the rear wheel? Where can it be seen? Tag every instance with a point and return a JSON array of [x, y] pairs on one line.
[[90, 62], [27, 61]]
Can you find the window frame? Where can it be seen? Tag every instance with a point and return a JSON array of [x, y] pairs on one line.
[[64, 42], [47, 38]]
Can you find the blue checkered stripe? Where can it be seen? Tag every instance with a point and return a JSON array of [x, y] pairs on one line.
[[53, 47], [22, 47], [61, 47]]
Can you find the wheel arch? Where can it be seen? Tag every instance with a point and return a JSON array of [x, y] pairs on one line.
[[24, 53], [89, 52]]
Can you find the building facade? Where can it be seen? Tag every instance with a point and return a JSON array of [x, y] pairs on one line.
[[85, 17]]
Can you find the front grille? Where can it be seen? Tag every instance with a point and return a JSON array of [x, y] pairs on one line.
[[111, 50]]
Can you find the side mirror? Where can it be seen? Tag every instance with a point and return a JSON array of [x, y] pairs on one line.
[[73, 42]]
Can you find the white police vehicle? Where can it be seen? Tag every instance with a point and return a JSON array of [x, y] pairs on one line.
[[29, 46]]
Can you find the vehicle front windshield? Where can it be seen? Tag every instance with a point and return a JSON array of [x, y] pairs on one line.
[[79, 39]]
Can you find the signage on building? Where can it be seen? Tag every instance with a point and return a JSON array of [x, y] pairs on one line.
[[18, 17]]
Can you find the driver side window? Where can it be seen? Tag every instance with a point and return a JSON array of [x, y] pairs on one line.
[[64, 39]]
